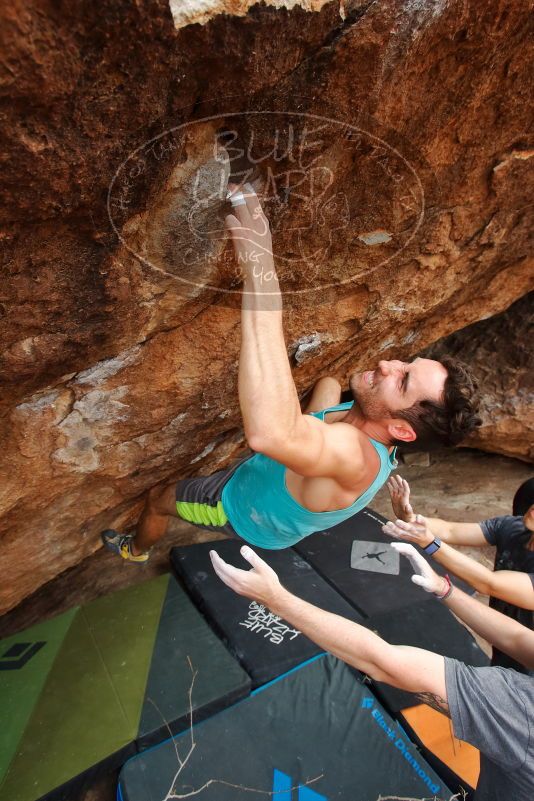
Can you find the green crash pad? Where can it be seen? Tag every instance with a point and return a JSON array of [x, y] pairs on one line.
[[85, 690]]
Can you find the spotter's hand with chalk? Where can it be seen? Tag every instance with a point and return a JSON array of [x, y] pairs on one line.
[[424, 576], [399, 493], [259, 584], [417, 532]]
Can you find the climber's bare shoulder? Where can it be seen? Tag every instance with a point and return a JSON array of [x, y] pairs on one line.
[[335, 453], [348, 466]]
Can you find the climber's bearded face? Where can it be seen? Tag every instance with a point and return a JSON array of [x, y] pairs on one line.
[[394, 386]]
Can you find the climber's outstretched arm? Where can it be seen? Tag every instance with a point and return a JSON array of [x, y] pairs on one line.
[[273, 421], [267, 392]]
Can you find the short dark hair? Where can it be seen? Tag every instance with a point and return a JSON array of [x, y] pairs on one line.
[[449, 421], [524, 497]]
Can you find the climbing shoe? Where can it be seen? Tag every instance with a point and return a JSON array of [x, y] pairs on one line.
[[121, 545]]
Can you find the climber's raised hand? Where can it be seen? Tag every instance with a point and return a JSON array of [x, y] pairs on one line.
[[249, 229]]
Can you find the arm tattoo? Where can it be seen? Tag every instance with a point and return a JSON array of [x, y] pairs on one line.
[[435, 701]]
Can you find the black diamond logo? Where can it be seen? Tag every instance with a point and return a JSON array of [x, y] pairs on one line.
[[18, 654]]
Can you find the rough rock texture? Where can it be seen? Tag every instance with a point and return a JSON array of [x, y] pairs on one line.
[[501, 353], [398, 214]]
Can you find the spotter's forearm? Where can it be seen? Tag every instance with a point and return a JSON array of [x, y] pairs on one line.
[[354, 644], [465, 568], [506, 634]]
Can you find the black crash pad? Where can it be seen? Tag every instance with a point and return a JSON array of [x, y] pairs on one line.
[[356, 558], [316, 734], [80, 692], [264, 645]]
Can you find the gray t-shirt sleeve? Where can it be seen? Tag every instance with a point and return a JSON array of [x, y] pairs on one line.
[[495, 527], [489, 712]]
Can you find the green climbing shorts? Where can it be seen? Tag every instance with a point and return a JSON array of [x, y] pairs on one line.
[[198, 500]]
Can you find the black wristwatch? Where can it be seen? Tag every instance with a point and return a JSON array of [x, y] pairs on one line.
[[432, 547]]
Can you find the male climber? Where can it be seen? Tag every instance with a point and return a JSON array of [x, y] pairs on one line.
[[307, 473]]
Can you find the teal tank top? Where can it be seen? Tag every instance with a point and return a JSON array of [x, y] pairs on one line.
[[262, 511]]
